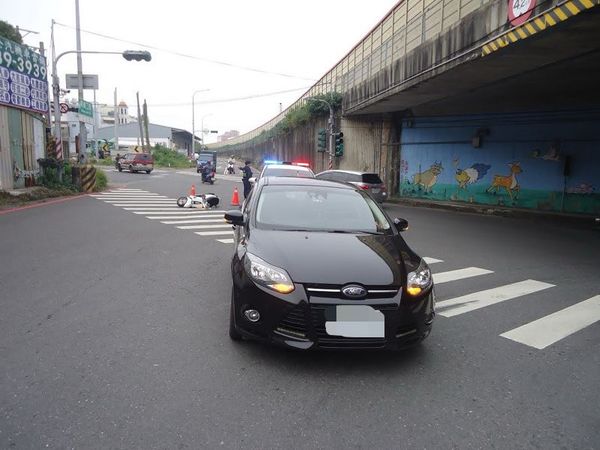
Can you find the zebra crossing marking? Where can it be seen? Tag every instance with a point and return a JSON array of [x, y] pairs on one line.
[[201, 227], [177, 212], [213, 233], [226, 241], [460, 274], [203, 220], [476, 300], [556, 326], [192, 215], [429, 260]]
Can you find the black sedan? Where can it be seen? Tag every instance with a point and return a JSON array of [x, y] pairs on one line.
[[318, 264]]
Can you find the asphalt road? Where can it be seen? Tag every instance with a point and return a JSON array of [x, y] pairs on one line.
[[113, 334]]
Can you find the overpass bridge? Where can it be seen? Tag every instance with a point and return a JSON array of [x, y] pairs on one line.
[[481, 101]]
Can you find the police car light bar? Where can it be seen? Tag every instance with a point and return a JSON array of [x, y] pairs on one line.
[[303, 164], [271, 161]]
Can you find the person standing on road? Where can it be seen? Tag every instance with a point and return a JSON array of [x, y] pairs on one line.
[[246, 175]]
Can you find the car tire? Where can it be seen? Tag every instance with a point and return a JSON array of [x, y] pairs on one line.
[[148, 171], [181, 201], [234, 334]]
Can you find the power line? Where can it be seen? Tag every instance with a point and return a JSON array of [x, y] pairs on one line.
[[185, 55], [233, 99]]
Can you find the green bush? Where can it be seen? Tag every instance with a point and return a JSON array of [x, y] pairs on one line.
[[101, 180], [50, 179], [165, 157]]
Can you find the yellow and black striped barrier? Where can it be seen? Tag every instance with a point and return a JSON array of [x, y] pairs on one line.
[[556, 15], [88, 178]]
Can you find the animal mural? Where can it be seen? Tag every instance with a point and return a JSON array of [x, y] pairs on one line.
[[471, 175], [508, 182], [428, 178]]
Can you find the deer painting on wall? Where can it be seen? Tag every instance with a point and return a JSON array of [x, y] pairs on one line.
[[508, 182]]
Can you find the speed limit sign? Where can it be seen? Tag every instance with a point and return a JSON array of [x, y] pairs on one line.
[[64, 108], [520, 10]]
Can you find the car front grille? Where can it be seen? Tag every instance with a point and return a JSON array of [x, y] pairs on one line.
[[335, 291]]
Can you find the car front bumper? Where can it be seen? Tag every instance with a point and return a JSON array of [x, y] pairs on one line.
[[297, 320]]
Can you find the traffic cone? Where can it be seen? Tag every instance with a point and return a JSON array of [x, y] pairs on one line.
[[235, 198], [193, 190]]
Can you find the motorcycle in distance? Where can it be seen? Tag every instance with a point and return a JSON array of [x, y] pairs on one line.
[[207, 173], [205, 201]]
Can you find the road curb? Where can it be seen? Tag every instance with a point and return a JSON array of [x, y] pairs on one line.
[[44, 202]]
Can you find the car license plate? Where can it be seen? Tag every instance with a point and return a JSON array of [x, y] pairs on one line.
[[356, 321], [376, 191]]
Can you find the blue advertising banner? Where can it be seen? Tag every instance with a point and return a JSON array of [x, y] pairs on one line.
[[23, 81]]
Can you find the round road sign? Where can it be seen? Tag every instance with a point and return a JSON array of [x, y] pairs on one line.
[[520, 10], [64, 108]]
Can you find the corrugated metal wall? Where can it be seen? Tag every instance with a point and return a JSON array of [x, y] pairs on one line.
[[22, 142]]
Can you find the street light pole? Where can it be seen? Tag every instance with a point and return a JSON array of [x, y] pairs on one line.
[[82, 127], [202, 126], [193, 120]]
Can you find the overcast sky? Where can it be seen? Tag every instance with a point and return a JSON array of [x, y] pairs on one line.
[[300, 39]]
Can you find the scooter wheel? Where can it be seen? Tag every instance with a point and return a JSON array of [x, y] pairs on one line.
[[181, 201]]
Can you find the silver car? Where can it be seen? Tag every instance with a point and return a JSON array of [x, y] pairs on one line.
[[367, 181]]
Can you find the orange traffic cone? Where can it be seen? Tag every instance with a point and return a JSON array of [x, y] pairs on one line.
[[193, 190], [235, 198]]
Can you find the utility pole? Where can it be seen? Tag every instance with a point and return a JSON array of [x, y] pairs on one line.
[[146, 125], [116, 115], [82, 128], [141, 137]]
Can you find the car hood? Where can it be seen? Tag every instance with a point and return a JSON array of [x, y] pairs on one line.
[[332, 258]]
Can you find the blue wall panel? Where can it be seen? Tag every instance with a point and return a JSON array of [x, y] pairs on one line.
[[520, 160]]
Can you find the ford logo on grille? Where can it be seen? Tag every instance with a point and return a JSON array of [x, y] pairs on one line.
[[354, 291]]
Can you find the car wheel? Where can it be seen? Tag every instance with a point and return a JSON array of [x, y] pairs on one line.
[[148, 171], [234, 334], [181, 201]]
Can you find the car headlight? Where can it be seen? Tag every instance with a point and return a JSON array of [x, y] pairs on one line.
[[419, 280], [268, 275]]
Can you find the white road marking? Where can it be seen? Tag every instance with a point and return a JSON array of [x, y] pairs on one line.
[[122, 197], [193, 215], [481, 299], [212, 233], [166, 203], [202, 227], [226, 241], [432, 260], [176, 212], [204, 220], [452, 275], [153, 208], [552, 328]]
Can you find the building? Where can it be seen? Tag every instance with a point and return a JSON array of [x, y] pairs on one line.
[[228, 135], [129, 136], [107, 114]]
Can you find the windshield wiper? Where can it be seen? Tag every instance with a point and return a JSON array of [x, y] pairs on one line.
[[355, 232]]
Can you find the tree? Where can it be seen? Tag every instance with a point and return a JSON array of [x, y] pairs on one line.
[[9, 32]]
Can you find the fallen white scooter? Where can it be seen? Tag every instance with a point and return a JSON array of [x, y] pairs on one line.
[[203, 201]]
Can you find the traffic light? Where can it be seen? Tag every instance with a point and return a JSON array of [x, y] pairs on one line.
[[322, 140], [339, 144], [137, 55]]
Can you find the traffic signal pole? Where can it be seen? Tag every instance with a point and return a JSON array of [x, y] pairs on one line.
[[331, 138]]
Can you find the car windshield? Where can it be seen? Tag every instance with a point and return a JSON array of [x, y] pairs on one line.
[[291, 172], [371, 178], [317, 208]]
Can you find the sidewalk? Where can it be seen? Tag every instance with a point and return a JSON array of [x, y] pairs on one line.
[[581, 219]]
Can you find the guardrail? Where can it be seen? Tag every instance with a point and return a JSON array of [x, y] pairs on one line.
[[405, 27]]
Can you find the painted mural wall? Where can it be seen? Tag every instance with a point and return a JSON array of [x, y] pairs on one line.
[[543, 161]]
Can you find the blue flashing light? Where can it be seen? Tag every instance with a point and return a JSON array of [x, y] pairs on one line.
[[271, 161]]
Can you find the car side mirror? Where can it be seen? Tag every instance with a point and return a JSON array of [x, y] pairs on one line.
[[234, 217], [401, 224], [252, 180]]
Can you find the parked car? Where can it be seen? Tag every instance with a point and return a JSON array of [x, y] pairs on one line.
[[367, 181], [319, 265], [135, 162]]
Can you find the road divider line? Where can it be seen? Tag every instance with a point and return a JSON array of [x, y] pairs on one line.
[[226, 241], [476, 300], [202, 227], [204, 220], [453, 275], [151, 205], [176, 212], [212, 233], [552, 328], [429, 260]]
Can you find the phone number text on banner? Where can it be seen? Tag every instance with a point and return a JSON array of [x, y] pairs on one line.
[[22, 77]]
